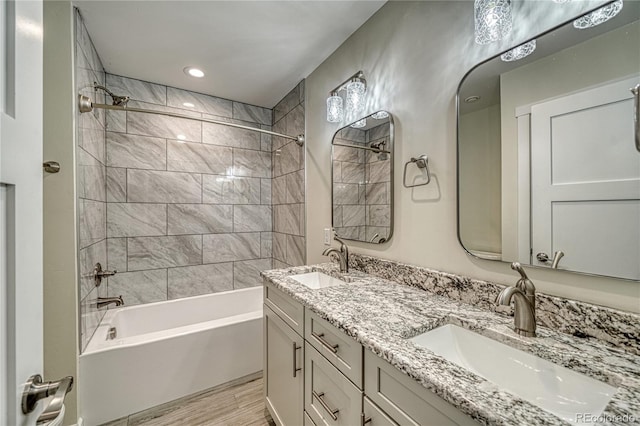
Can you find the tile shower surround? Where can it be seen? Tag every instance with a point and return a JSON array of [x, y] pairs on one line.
[[188, 203], [288, 191], [180, 207]]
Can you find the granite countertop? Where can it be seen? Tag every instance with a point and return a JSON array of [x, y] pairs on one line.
[[382, 315]]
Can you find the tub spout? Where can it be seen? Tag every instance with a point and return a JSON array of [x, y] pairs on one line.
[[101, 302]]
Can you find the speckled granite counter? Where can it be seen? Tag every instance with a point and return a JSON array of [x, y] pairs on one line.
[[382, 315]]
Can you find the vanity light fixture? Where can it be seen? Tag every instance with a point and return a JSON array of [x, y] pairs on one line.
[[347, 99], [598, 16], [335, 110], [359, 123], [380, 115], [194, 72], [492, 20], [519, 52]]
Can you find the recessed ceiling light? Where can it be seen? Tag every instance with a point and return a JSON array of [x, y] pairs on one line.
[[188, 105], [194, 72], [472, 99]]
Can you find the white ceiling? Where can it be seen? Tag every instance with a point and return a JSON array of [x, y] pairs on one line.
[[251, 51]]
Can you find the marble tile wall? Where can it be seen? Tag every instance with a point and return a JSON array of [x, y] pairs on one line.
[[287, 187], [91, 181], [188, 207]]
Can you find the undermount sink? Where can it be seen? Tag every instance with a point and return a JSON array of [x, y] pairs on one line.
[[551, 387], [317, 280]]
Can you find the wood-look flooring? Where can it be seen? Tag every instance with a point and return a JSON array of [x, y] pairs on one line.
[[229, 405]]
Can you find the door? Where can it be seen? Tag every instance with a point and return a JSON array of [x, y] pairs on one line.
[[20, 204], [283, 373], [585, 177]]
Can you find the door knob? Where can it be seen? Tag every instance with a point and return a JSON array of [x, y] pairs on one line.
[[35, 390], [544, 257]]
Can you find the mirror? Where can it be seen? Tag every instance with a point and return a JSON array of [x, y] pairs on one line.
[[548, 171], [362, 179]]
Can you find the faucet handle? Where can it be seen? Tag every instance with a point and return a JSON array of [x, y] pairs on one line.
[[516, 266]]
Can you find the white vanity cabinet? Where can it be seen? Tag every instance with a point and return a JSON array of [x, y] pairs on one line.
[[283, 357], [316, 375]]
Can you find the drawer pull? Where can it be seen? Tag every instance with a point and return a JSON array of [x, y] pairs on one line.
[[295, 367], [332, 413], [320, 338]]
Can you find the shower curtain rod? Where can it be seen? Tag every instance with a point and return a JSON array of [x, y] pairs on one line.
[[86, 105]]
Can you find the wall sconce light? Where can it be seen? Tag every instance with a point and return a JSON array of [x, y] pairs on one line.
[[354, 90], [492, 20]]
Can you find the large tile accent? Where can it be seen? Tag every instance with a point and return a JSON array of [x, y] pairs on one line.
[[145, 186], [162, 252], [197, 280], [186, 200]]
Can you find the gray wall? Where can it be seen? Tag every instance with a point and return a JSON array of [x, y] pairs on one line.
[[189, 203], [288, 181], [413, 55]]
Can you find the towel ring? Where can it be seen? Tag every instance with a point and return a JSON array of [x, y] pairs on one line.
[[423, 163]]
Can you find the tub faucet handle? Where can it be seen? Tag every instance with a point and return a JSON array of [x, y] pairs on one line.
[[99, 274]]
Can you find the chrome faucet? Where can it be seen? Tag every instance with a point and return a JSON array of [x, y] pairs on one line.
[[524, 296], [101, 302], [343, 253]]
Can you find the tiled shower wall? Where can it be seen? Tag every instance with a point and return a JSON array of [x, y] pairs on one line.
[[180, 207], [91, 184], [289, 247], [188, 203]]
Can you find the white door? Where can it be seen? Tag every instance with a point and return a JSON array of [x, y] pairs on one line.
[[20, 204], [585, 179]]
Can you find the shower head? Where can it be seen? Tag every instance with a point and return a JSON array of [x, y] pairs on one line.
[[116, 100]]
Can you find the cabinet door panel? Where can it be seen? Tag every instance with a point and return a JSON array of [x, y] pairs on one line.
[[283, 370], [330, 398]]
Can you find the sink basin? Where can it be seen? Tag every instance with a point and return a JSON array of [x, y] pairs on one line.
[[317, 280], [551, 387]]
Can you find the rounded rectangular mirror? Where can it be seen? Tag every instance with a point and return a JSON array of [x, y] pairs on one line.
[[548, 170], [362, 179]]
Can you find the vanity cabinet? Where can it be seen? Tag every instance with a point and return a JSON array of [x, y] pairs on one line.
[[316, 375]]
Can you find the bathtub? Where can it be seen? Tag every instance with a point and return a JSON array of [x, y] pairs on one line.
[[167, 350]]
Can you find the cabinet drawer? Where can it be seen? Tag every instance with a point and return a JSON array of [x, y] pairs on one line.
[[373, 416], [289, 310], [341, 350], [404, 399], [330, 398]]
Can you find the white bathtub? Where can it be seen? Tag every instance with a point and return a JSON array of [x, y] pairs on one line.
[[167, 350]]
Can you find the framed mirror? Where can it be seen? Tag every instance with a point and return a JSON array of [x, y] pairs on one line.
[[362, 179], [548, 170]]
